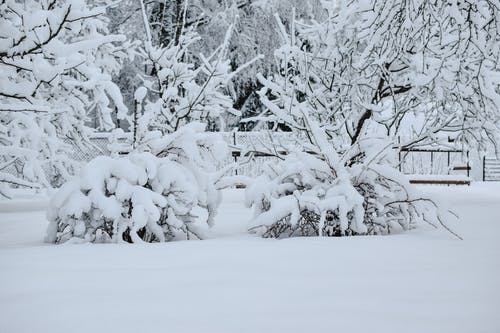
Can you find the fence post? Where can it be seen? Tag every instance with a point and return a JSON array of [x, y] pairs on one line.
[[399, 154], [432, 162], [400, 168], [484, 168], [235, 157], [468, 171], [136, 121], [449, 169]]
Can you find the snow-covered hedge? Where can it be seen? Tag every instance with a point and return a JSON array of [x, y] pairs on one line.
[[144, 196]]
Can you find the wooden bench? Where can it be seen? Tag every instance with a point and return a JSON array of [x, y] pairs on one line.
[[462, 168], [440, 181]]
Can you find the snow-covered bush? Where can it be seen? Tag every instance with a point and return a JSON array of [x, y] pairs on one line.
[[56, 63], [317, 193], [153, 196]]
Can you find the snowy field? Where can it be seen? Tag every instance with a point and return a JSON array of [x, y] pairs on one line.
[[421, 281]]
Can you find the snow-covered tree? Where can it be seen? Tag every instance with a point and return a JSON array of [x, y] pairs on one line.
[[182, 92], [370, 66], [348, 83], [253, 33], [154, 192], [183, 89], [56, 61]]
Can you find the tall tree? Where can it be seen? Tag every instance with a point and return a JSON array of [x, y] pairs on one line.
[[348, 83], [254, 33], [184, 88]]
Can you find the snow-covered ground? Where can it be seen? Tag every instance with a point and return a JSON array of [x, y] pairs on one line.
[[421, 281]]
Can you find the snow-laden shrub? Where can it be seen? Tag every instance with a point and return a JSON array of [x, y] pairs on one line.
[[315, 193], [150, 196], [302, 196]]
